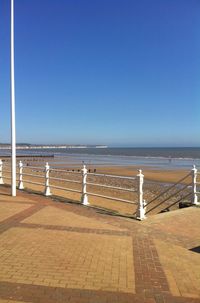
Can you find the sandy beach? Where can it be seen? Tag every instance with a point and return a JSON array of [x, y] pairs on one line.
[[150, 173]]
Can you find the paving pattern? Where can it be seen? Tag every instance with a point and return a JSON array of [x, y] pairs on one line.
[[56, 252], [9, 209], [182, 269], [55, 216], [85, 261]]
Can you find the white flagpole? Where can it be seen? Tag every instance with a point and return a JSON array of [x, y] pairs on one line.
[[12, 78]]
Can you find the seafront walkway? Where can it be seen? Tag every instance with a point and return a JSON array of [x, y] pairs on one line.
[[64, 252]]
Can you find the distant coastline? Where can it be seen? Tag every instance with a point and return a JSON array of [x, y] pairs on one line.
[[49, 146]]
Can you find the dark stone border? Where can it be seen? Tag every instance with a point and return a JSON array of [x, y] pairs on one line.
[[75, 229], [15, 219], [46, 294]]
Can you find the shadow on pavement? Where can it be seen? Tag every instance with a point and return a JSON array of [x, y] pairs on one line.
[[196, 249]]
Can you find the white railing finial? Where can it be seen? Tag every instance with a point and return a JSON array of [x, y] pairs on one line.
[[84, 198], [47, 187], [194, 186], [1, 171], [20, 185], [141, 209]]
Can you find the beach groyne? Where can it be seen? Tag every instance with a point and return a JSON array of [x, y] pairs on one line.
[[29, 156]]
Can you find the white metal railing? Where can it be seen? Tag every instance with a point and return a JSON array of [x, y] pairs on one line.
[[193, 193], [112, 187], [66, 171], [23, 174], [111, 198], [1, 172], [169, 197], [169, 189], [30, 175], [194, 186], [7, 169], [36, 167], [48, 174], [112, 176]]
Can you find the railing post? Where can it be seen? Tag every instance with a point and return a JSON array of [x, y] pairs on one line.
[[1, 170], [20, 185], [47, 187], [194, 186], [141, 203], [84, 198]]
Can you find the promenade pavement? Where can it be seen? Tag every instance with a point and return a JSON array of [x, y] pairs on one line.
[[64, 252]]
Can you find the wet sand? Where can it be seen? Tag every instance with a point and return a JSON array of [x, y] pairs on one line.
[[150, 173]]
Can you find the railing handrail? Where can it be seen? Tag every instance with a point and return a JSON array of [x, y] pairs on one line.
[[168, 189], [66, 189], [34, 182], [111, 198], [65, 180], [172, 195], [178, 201], [112, 187], [65, 171], [36, 167], [7, 177], [112, 176], [8, 171], [32, 175]]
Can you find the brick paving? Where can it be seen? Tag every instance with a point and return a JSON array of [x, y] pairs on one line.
[[63, 252]]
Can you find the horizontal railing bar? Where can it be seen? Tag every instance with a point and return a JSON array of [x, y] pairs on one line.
[[67, 189], [112, 176], [197, 192], [33, 182], [164, 192], [66, 180], [25, 166], [64, 171], [8, 164], [37, 167], [112, 187], [36, 176], [111, 198]]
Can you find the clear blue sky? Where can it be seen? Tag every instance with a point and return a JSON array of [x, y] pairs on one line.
[[116, 72]]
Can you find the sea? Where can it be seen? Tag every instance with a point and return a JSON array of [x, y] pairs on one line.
[[158, 158]]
